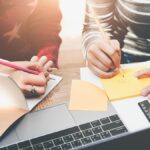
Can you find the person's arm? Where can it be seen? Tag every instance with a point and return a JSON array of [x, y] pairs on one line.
[[144, 74], [44, 28], [102, 54]]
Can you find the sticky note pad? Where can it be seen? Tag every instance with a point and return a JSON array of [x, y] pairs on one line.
[[120, 87], [86, 96]]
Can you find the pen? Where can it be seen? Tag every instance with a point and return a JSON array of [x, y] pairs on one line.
[[12, 65], [103, 34]]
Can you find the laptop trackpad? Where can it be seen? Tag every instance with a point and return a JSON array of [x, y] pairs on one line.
[[45, 122]]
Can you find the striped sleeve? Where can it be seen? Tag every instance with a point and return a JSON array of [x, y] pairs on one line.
[[104, 9]]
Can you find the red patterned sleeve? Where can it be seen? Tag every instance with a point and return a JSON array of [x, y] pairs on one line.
[[44, 25]]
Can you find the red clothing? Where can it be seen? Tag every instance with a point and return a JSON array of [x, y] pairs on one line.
[[29, 27]]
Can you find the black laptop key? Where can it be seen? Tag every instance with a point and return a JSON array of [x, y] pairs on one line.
[[114, 118], [58, 141], [112, 125], [78, 135], [85, 126], [48, 144], [118, 130], [27, 148], [86, 140], [12, 147], [87, 132], [96, 137], [76, 143], [145, 107], [105, 134], [24, 144], [95, 123], [68, 138], [38, 147], [56, 148], [97, 130], [105, 120], [4, 148], [55, 135], [66, 146]]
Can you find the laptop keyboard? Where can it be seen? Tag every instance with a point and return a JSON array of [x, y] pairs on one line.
[[145, 107], [73, 138]]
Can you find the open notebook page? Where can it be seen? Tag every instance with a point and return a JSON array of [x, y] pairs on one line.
[[32, 102]]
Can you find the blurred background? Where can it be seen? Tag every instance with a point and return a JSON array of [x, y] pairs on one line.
[[72, 23]]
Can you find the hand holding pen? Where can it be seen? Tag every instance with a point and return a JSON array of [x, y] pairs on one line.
[[29, 75], [103, 54]]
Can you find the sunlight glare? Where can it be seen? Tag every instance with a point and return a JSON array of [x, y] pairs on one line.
[[73, 16]]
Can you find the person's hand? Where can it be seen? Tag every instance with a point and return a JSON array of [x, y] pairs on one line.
[[27, 82], [103, 57], [144, 74], [47, 65]]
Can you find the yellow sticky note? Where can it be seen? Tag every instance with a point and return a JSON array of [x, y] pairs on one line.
[[86, 96], [119, 87]]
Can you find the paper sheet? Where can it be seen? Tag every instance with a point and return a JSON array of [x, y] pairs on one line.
[[32, 102], [120, 87], [86, 96]]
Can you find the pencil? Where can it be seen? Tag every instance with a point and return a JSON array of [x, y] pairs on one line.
[[104, 33], [12, 65]]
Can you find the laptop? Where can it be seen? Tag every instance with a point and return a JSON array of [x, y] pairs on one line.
[[57, 128], [124, 126]]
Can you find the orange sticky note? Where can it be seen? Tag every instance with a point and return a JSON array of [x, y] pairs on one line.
[[119, 87], [86, 96]]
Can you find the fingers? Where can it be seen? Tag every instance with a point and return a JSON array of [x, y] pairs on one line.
[[146, 91], [101, 56], [35, 66], [143, 73], [112, 50], [104, 56], [34, 59], [42, 61], [101, 73], [37, 80], [96, 62], [48, 65], [108, 52], [40, 90], [25, 81]]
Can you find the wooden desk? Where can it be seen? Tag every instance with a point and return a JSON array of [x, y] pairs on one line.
[[70, 62]]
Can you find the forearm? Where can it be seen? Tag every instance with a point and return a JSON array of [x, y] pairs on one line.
[[104, 11]]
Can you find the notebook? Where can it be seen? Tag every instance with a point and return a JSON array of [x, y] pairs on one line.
[[13, 104]]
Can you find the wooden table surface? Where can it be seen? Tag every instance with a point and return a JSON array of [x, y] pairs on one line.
[[70, 62]]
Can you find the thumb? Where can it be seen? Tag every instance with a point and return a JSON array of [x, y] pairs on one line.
[[143, 73]]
